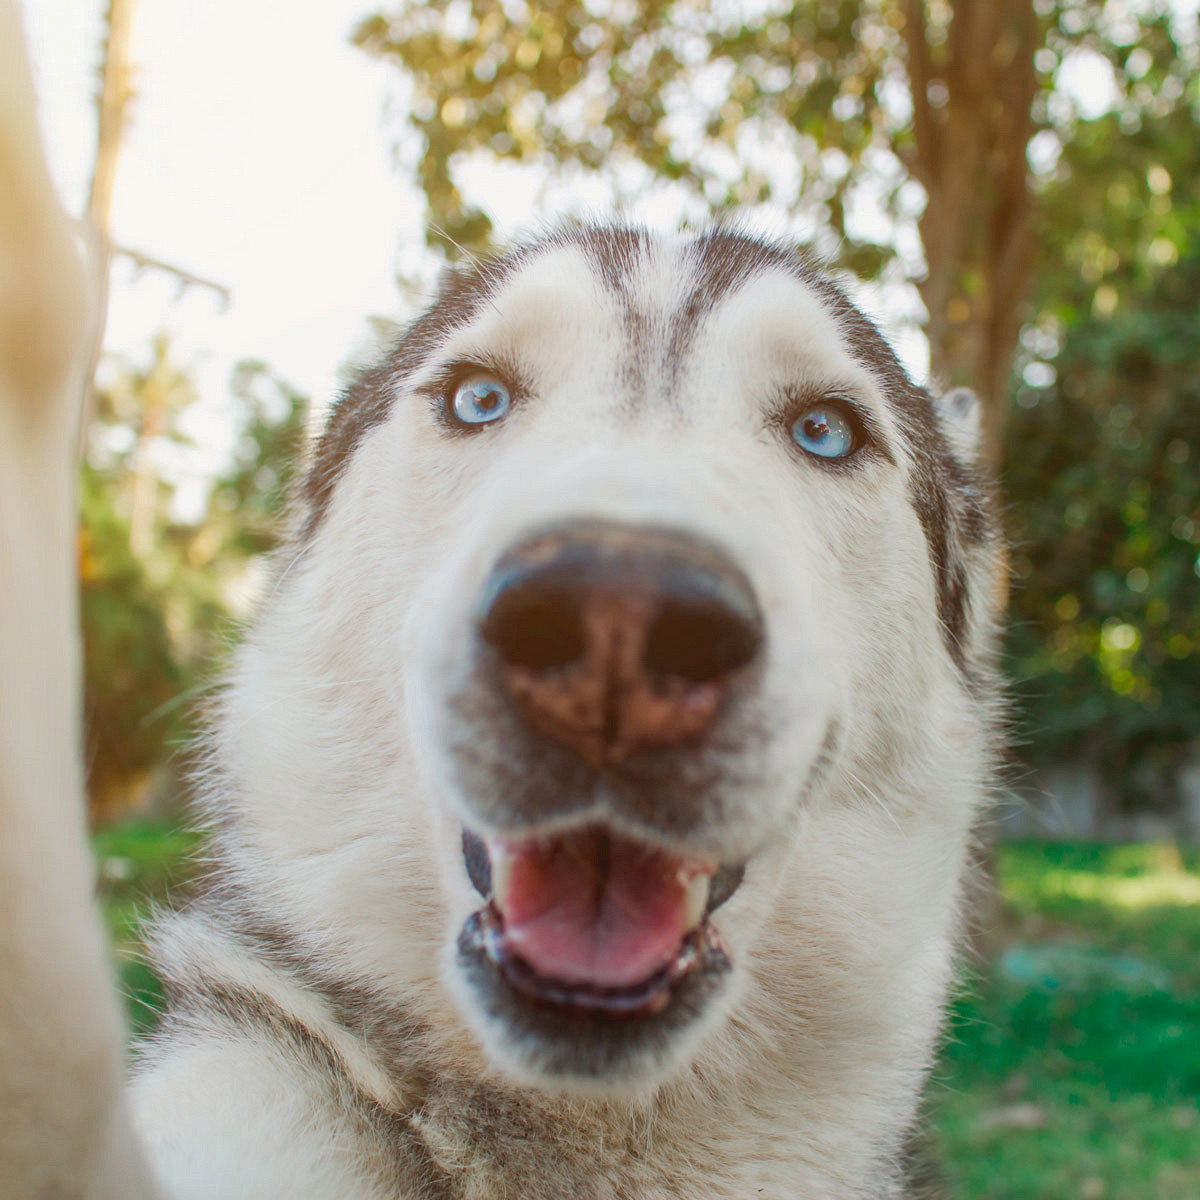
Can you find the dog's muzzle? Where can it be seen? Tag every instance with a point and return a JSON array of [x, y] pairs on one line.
[[612, 647]]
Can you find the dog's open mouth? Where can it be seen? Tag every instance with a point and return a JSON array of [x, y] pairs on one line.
[[592, 923]]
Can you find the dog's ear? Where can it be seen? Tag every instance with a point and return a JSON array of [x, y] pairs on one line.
[[961, 417]]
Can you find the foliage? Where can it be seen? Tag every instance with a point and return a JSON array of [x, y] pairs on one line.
[[141, 864], [698, 95], [1101, 471], [1072, 1067], [159, 591], [129, 668], [853, 123], [1119, 194], [716, 97], [1106, 641], [248, 503]]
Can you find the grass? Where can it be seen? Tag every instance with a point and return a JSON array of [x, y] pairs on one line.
[[142, 865], [1071, 1069]]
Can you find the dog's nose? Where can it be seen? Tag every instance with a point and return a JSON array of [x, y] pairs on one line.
[[615, 639]]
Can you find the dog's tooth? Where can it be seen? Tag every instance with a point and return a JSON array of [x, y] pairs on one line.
[[695, 900], [502, 865]]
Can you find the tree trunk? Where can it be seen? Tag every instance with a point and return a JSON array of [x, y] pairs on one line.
[[972, 117], [116, 90]]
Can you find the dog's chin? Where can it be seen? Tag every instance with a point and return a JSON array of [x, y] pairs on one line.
[[607, 993]]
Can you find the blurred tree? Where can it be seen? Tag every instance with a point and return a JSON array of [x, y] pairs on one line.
[[129, 666], [1102, 464], [1118, 194], [159, 591], [834, 110], [112, 103], [1107, 638]]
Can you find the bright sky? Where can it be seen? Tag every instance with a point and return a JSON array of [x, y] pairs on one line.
[[256, 156]]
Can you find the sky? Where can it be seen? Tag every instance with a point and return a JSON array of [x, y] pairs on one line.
[[256, 156]]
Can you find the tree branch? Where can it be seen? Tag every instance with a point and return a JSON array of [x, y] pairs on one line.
[[116, 91], [144, 261]]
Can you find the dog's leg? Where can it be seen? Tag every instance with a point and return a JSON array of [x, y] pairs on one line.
[[63, 1132]]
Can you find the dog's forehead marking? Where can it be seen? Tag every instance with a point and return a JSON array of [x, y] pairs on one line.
[[776, 325], [643, 302], [674, 294], [678, 313], [545, 313]]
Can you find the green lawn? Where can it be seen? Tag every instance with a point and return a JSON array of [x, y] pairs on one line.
[[1072, 1067], [142, 866], [1072, 1064]]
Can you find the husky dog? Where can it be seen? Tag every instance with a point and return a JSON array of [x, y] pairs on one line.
[[593, 793], [592, 797]]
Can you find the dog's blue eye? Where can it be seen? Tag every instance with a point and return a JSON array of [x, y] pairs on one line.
[[824, 430], [480, 400]]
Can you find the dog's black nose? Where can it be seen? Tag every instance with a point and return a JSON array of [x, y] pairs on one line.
[[615, 638]]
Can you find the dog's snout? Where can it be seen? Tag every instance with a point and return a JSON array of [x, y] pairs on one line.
[[613, 639]]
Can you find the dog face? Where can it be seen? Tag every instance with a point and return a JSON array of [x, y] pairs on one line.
[[625, 671]]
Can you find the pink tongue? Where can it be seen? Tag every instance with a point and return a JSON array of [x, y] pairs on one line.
[[592, 908]]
